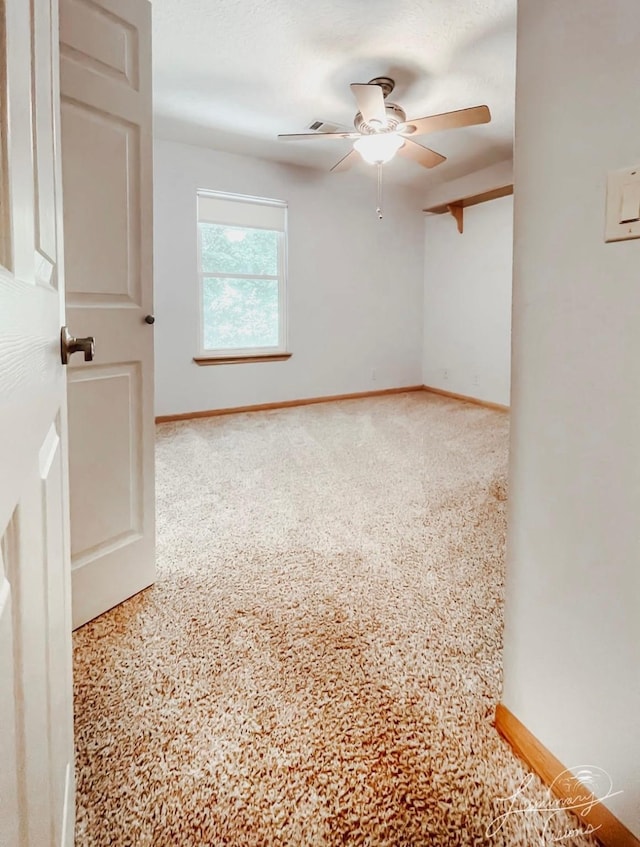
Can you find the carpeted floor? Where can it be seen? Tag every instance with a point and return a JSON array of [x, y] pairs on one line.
[[320, 659]]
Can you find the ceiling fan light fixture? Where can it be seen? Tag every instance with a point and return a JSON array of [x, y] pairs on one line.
[[378, 148]]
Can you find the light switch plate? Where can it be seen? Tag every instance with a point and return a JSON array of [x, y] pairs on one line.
[[623, 187]]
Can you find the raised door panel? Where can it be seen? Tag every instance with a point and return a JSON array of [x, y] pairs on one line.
[[58, 660], [105, 420], [23, 555], [36, 579], [96, 36], [12, 805], [6, 261], [102, 248], [45, 154]]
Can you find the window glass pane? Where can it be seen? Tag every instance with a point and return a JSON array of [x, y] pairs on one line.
[[238, 250], [240, 313]]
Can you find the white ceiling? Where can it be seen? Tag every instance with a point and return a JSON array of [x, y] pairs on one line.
[[232, 74]]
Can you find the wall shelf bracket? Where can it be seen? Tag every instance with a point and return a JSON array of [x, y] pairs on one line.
[[456, 210], [456, 207]]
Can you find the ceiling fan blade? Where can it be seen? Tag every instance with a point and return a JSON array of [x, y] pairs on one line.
[[370, 100], [422, 155], [304, 136], [346, 162], [450, 120]]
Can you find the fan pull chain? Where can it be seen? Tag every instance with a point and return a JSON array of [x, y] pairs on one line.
[[379, 209]]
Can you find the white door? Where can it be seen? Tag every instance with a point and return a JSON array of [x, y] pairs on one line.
[[105, 81], [36, 717]]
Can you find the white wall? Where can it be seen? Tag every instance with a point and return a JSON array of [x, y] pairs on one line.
[[467, 301], [572, 636], [355, 283]]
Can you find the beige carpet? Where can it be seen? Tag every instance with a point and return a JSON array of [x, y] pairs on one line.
[[319, 661]]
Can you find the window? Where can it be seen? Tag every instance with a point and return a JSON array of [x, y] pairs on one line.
[[241, 267]]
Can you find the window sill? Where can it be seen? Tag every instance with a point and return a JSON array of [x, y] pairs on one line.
[[236, 360]]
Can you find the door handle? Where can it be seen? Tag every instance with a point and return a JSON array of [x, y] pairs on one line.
[[69, 345]]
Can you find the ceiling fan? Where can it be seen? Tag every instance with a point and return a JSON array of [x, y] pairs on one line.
[[382, 128]]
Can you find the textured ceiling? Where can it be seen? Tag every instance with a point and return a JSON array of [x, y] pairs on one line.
[[232, 74]]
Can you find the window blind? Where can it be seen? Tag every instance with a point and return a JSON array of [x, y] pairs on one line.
[[240, 211]]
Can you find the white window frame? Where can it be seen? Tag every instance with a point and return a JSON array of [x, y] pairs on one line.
[[239, 353]]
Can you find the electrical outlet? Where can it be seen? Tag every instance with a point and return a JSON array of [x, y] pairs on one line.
[[374, 375], [476, 379], [445, 374]]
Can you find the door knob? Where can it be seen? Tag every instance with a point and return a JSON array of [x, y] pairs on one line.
[[149, 319], [69, 345]]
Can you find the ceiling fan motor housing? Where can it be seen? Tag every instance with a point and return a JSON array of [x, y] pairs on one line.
[[395, 116]]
